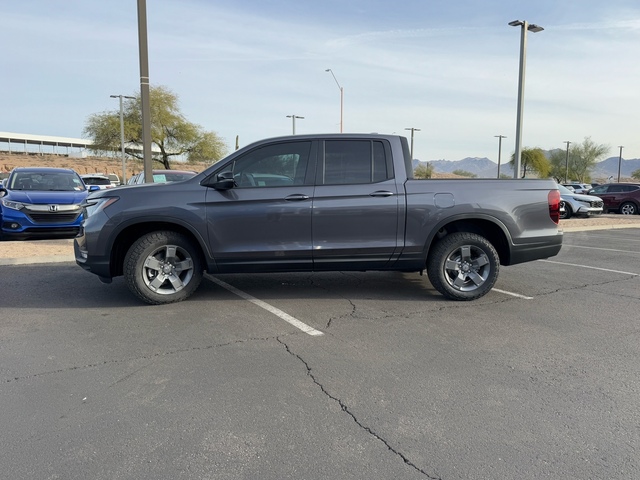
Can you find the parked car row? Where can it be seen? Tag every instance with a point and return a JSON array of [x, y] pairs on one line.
[[162, 176], [38, 202], [585, 199]]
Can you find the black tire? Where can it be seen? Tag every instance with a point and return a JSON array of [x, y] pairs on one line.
[[463, 266], [567, 210], [628, 208], [163, 267]]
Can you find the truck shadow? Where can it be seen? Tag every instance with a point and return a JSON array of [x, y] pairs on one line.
[[65, 285]]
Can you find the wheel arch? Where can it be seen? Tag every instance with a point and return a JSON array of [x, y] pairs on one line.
[[490, 228], [130, 233]]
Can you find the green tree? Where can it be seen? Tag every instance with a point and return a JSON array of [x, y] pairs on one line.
[[558, 162], [636, 174], [423, 171], [464, 173], [532, 160], [583, 158], [171, 134]]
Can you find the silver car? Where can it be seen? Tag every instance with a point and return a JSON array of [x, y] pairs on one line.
[[578, 204]]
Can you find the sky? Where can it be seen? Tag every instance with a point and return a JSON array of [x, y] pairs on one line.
[[449, 69]]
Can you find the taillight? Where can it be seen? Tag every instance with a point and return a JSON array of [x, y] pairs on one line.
[[554, 205]]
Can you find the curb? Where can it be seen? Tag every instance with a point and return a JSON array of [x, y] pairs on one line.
[[599, 227], [40, 259]]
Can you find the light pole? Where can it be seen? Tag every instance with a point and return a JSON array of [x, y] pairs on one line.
[[293, 119], [499, 137], [620, 161], [412, 130], [124, 168], [525, 26], [145, 93], [341, 96], [566, 163]]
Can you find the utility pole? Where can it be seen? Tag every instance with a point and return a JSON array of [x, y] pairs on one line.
[[566, 163], [412, 130], [124, 167], [293, 120], [620, 161], [499, 137]]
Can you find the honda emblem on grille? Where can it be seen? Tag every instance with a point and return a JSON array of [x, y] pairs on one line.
[[53, 208]]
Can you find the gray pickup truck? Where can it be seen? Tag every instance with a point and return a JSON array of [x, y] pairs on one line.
[[317, 203]]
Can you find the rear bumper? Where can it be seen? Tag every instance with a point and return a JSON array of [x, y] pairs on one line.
[[536, 249]]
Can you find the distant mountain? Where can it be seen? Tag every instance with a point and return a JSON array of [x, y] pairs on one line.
[[609, 167], [485, 168], [481, 167]]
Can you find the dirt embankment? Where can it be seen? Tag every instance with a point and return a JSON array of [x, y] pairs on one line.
[[83, 165]]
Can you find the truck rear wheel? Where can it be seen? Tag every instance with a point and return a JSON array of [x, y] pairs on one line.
[[163, 267], [463, 266]]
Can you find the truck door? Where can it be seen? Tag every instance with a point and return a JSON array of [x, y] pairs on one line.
[[264, 222], [355, 216]]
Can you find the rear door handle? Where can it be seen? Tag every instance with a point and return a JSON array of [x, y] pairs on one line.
[[381, 193], [296, 197]]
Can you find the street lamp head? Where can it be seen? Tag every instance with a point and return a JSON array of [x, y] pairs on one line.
[[516, 23], [535, 28]]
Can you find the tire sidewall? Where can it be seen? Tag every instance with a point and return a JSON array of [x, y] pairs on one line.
[[632, 207], [138, 253], [567, 211], [442, 250]]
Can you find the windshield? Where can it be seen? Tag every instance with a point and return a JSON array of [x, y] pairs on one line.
[[96, 181], [46, 181]]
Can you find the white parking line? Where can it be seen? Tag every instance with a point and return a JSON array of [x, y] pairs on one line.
[[270, 308], [592, 268], [600, 248], [512, 294]]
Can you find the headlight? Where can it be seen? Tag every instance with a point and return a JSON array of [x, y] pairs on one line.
[[13, 205], [94, 205]]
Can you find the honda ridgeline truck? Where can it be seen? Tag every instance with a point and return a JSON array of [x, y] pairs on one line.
[[317, 203]]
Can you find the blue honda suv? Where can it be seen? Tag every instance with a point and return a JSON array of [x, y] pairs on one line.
[[41, 202]]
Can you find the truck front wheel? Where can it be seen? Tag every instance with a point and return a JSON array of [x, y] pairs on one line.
[[463, 266], [163, 267]]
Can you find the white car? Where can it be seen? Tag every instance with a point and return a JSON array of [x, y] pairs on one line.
[[101, 181], [579, 187], [578, 204]]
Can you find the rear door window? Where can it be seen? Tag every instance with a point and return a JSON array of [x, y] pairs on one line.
[[355, 162]]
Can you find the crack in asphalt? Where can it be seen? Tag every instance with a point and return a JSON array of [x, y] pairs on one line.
[[593, 284], [346, 410], [143, 357]]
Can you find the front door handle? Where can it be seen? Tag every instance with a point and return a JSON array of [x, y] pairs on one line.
[[381, 193], [296, 197]]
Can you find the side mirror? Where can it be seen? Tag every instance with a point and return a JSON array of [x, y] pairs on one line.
[[93, 188], [224, 181]]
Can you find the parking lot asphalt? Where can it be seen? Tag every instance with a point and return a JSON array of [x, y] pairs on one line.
[[536, 380]]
